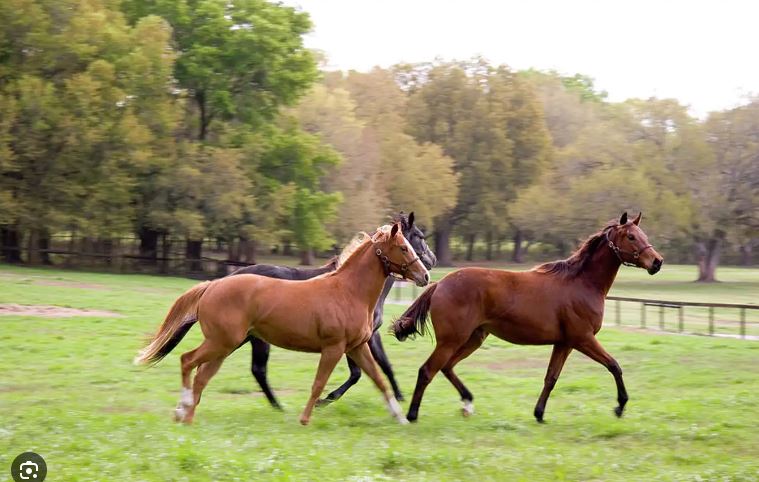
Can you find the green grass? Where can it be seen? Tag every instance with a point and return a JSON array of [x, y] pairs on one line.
[[68, 391]]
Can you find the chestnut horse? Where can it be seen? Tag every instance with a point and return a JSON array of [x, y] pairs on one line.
[[559, 304], [330, 314]]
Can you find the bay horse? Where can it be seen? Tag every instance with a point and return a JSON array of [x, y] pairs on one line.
[[330, 314], [559, 303], [260, 349]]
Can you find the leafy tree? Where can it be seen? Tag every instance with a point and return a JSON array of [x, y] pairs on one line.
[[238, 60], [489, 121]]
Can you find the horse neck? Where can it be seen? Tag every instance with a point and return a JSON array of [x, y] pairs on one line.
[[364, 274], [602, 269]]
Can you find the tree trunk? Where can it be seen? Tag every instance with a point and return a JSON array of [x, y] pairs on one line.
[[746, 254], [165, 250], [233, 250], [44, 244], [32, 247], [200, 98], [518, 255], [708, 259], [248, 248], [193, 253], [443, 244], [489, 250], [10, 245], [148, 245], [307, 257], [470, 247]]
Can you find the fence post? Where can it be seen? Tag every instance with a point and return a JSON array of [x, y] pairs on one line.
[[711, 320], [743, 323], [661, 317], [619, 313], [397, 287], [642, 315], [680, 318]]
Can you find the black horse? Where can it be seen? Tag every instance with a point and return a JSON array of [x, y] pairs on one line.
[[260, 348]]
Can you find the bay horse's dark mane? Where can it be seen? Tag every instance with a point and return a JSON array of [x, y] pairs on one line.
[[577, 262]]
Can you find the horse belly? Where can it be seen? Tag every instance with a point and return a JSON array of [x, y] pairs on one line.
[[285, 324], [524, 331]]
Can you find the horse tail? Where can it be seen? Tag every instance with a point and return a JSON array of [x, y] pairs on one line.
[[182, 315], [413, 322]]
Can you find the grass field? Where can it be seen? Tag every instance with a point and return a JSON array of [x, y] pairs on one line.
[[69, 391]]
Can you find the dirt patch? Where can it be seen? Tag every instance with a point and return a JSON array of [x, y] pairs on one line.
[[51, 311], [72, 284]]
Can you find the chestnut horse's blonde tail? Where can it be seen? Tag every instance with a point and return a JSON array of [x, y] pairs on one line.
[[414, 320], [182, 315]]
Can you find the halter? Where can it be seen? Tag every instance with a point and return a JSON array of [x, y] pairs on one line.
[[387, 264], [635, 254]]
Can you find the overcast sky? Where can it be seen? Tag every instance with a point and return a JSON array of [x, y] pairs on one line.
[[702, 53]]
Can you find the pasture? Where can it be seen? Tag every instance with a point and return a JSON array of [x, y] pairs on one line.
[[69, 391]]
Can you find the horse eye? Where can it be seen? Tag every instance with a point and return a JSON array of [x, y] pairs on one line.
[[631, 237], [404, 249]]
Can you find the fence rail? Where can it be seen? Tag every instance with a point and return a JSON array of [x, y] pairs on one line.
[[699, 318]]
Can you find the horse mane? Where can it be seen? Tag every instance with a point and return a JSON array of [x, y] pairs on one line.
[[359, 240], [579, 260]]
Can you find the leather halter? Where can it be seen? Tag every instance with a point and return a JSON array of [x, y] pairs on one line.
[[388, 264], [635, 254]]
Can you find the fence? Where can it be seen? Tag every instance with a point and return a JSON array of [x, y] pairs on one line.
[[701, 318]]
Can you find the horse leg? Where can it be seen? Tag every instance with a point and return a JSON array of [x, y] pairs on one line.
[[202, 377], [362, 355], [329, 358], [474, 342], [378, 352], [189, 361], [260, 358], [355, 375], [593, 349], [558, 357], [439, 357]]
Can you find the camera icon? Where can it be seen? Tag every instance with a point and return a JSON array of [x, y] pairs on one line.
[[28, 470], [29, 467]]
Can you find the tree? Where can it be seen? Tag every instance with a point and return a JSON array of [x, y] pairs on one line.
[[489, 121], [238, 60]]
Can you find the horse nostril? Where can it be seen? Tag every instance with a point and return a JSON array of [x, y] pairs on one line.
[[426, 277], [658, 263]]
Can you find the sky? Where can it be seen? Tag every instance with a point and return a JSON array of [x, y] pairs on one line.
[[701, 53]]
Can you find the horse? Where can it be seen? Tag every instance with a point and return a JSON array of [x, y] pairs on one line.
[[559, 303], [260, 348], [330, 314]]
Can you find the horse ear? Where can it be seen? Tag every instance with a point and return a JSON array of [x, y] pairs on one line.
[[395, 229], [636, 221], [411, 219], [623, 219]]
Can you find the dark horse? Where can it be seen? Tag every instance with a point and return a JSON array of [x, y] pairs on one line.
[[559, 304], [260, 348]]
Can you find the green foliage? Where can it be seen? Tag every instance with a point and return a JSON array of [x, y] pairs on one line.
[[238, 60]]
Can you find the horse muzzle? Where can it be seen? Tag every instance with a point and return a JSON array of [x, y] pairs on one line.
[[655, 266]]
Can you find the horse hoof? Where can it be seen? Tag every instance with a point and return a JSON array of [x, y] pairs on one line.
[[403, 421], [179, 414], [399, 397], [304, 421], [468, 409], [618, 411], [323, 402]]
